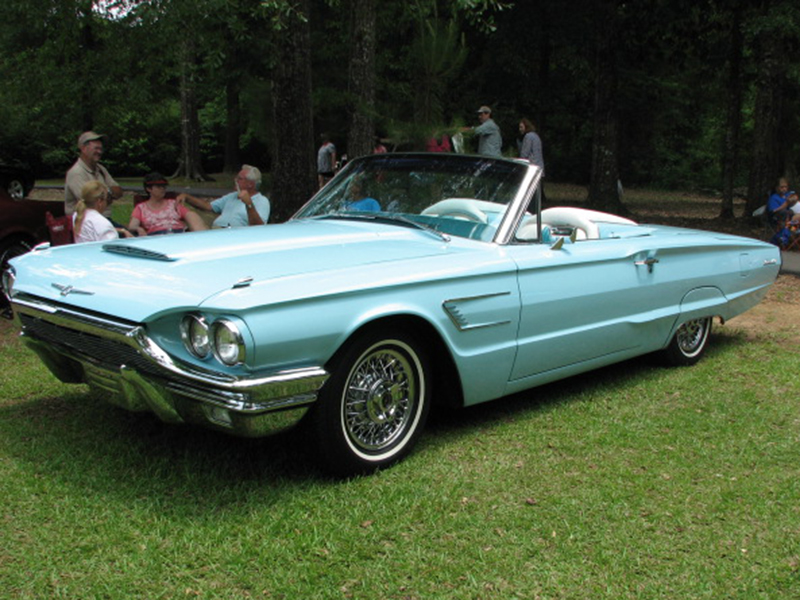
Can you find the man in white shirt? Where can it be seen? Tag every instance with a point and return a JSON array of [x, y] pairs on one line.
[[242, 208]]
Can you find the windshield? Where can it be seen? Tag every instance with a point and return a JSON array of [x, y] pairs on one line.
[[465, 196]]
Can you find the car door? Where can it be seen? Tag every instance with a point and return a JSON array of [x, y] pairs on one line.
[[590, 303]]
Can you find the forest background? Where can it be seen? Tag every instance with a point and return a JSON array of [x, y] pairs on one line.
[[698, 95]]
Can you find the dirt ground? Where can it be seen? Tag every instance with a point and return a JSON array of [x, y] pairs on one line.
[[781, 306]]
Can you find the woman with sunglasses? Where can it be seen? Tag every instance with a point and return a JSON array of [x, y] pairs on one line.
[[159, 215]]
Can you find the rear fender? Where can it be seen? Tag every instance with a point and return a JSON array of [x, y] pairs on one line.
[[699, 303]]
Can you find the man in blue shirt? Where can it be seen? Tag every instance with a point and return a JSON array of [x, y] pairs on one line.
[[246, 206]]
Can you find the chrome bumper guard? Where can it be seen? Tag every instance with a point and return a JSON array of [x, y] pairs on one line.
[[119, 359]]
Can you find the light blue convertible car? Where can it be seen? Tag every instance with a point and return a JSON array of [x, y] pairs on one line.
[[409, 281]]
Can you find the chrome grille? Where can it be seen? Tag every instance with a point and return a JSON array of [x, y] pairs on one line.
[[99, 350]]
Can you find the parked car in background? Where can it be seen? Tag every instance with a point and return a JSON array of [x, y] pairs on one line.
[[410, 280], [22, 225], [16, 179]]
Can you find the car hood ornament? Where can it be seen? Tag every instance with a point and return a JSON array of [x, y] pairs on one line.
[[66, 290]]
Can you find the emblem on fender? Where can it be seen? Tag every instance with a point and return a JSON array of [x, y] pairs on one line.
[[66, 290]]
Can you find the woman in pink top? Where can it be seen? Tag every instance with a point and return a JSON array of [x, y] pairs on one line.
[[158, 214]]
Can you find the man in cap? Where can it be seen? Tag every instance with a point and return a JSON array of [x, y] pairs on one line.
[[490, 141], [88, 168], [246, 206]]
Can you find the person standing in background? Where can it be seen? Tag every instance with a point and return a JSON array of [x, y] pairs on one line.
[[326, 160], [530, 144], [88, 168], [490, 140]]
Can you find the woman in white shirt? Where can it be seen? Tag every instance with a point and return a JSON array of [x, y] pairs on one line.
[[88, 222]]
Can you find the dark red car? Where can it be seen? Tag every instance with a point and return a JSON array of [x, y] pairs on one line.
[[22, 224]]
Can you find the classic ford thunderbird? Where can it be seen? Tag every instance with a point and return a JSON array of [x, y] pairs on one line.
[[410, 280]]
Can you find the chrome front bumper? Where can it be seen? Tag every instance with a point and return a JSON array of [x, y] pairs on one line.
[[119, 359]]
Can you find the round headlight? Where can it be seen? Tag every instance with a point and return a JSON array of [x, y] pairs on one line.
[[228, 342], [194, 332]]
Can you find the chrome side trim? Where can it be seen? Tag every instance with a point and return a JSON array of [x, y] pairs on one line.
[[453, 310]]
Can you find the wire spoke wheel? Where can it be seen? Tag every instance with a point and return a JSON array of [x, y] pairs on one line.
[[380, 399], [374, 406], [689, 342], [691, 336]]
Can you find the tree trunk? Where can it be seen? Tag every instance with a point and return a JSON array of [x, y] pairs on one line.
[[294, 168], [361, 140], [190, 164], [734, 117], [604, 186], [88, 46], [232, 127], [767, 165]]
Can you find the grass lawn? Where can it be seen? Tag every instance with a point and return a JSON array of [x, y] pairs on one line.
[[634, 481]]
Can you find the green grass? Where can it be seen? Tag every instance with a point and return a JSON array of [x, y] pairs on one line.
[[631, 482]]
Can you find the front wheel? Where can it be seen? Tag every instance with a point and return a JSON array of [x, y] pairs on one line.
[[689, 342], [373, 408]]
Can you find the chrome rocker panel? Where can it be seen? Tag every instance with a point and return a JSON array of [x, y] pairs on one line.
[[120, 360]]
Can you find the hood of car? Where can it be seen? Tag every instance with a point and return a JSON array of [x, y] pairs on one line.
[[141, 278]]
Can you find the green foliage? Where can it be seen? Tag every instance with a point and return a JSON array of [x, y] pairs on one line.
[[113, 65], [438, 52]]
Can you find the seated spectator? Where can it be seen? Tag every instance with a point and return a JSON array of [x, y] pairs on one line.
[[793, 202], [159, 215], [359, 201], [242, 208], [88, 223], [778, 203]]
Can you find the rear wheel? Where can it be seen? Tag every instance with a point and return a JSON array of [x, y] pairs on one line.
[[689, 342], [373, 408]]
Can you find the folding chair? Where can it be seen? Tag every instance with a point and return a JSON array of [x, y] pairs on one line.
[[794, 238], [60, 229], [772, 225]]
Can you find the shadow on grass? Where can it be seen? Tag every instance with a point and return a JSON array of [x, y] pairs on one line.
[[83, 442], [620, 376]]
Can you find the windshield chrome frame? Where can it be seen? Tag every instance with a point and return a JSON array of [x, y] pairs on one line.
[[519, 205]]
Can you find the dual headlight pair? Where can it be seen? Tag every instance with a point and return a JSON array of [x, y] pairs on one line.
[[222, 338]]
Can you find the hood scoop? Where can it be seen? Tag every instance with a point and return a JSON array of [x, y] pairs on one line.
[[136, 252]]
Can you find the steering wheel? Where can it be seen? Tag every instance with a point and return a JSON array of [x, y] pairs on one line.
[[457, 208]]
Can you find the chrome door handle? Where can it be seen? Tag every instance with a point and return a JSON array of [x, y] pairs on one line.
[[647, 262]]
